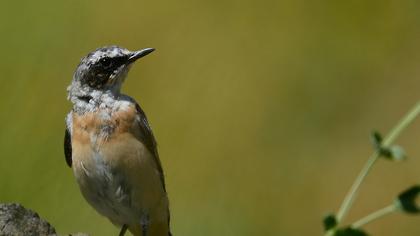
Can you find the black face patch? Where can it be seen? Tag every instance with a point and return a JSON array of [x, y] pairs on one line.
[[98, 73]]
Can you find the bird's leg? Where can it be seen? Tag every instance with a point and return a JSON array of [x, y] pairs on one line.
[[144, 230], [144, 224], [123, 230]]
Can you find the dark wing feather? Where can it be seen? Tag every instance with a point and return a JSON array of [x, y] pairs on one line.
[[67, 147], [149, 140]]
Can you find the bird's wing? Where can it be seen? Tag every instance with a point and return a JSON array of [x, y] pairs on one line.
[[67, 147], [147, 138]]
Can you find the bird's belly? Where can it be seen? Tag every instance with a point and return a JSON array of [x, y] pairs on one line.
[[119, 179], [106, 189]]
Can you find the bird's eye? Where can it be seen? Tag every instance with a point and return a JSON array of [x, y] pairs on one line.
[[105, 62]]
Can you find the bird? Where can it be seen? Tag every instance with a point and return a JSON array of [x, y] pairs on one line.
[[111, 148]]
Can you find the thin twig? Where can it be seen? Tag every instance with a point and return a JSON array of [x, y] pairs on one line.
[[375, 215], [388, 140], [350, 197]]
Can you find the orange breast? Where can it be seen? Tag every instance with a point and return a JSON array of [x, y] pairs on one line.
[[104, 124]]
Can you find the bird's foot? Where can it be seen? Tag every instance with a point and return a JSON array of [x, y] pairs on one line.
[[123, 230]]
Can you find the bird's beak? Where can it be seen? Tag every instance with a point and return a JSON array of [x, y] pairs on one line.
[[139, 54]]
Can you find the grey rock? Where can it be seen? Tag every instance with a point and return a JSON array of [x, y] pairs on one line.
[[15, 220]]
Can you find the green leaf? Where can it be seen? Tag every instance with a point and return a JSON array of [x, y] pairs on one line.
[[377, 145], [385, 152], [395, 152], [350, 232], [330, 222], [376, 139], [408, 200]]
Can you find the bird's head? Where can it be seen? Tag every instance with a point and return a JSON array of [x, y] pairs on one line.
[[103, 71]]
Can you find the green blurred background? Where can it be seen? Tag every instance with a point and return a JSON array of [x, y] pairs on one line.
[[262, 109]]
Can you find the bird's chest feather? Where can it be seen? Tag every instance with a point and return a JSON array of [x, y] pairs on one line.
[[100, 126], [101, 154]]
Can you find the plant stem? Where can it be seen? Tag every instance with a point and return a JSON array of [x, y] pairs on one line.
[[375, 215], [388, 140], [349, 199], [402, 124]]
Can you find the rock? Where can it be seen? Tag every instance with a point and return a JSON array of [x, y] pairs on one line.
[[15, 220]]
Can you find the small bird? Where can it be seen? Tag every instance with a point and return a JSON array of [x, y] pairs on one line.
[[110, 146]]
